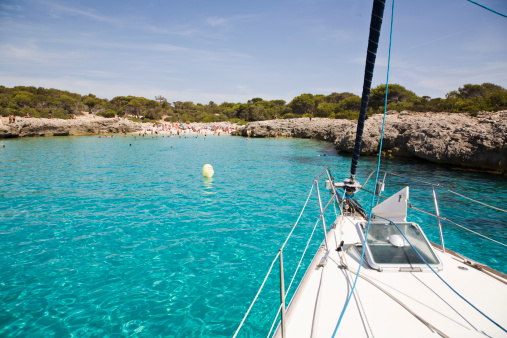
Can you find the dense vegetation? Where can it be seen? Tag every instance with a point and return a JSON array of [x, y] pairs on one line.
[[40, 102]]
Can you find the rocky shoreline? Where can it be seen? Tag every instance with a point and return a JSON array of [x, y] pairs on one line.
[[30, 127], [471, 142]]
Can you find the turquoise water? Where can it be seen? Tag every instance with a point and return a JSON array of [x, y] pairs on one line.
[[117, 237]]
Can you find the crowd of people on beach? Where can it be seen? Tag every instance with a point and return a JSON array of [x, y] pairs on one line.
[[180, 128], [163, 128]]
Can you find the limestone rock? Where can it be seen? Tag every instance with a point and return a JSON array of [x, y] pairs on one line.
[[476, 142], [58, 127]]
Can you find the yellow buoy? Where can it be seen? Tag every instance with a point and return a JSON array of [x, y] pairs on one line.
[[207, 170]]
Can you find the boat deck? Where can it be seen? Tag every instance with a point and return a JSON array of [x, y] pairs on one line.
[[373, 310]]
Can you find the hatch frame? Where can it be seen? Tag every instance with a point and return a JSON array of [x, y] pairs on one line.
[[378, 247]]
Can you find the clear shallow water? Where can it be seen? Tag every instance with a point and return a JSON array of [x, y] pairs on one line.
[[103, 238]]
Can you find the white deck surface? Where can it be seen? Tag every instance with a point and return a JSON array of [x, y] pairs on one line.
[[318, 302]]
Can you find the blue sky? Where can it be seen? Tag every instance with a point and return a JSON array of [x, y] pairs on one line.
[[233, 51]]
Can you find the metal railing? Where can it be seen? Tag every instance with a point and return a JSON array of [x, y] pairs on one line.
[[284, 293], [335, 197], [436, 213]]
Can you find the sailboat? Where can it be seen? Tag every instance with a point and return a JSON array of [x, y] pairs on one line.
[[376, 274]]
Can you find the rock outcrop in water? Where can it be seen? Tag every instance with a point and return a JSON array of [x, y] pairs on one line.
[[457, 139], [57, 127]]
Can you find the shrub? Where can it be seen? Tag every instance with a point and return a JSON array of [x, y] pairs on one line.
[[7, 111], [238, 121], [347, 114], [58, 113], [30, 111], [107, 113]]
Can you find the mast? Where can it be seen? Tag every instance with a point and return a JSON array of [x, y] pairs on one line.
[[377, 14]]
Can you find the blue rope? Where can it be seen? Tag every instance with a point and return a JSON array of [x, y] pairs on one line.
[[450, 287], [489, 9], [376, 179]]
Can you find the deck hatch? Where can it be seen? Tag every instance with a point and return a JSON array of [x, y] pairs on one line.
[[386, 247]]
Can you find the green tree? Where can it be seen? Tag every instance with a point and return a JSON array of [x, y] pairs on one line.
[[396, 95], [68, 103], [23, 99], [470, 91], [303, 104], [119, 103], [93, 103], [337, 97], [498, 100], [351, 103], [278, 103], [160, 99], [326, 109], [255, 100]]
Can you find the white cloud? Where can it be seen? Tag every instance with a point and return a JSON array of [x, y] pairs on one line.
[[175, 30], [31, 53], [216, 21], [89, 14], [326, 33], [109, 86]]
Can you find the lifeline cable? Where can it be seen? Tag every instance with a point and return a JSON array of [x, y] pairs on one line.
[[294, 276], [257, 295], [474, 232], [475, 201], [270, 268], [376, 178], [441, 186]]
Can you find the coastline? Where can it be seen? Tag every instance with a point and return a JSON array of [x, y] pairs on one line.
[[461, 140], [93, 125], [468, 142], [82, 125]]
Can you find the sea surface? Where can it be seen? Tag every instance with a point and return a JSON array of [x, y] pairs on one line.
[[123, 236]]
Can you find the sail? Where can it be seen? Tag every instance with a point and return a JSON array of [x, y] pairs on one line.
[[377, 14]]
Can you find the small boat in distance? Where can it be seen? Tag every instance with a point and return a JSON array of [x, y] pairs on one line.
[[376, 273]]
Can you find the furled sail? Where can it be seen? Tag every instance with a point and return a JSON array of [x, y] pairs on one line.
[[377, 14]]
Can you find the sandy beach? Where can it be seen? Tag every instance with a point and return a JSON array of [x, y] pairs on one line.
[[166, 128], [89, 124]]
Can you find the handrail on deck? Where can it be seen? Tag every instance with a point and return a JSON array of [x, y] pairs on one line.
[[335, 197], [437, 214]]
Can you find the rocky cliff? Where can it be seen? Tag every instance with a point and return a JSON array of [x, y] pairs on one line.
[[457, 139], [57, 127]]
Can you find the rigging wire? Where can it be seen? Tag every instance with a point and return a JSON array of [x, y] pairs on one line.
[[489, 9], [376, 177]]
